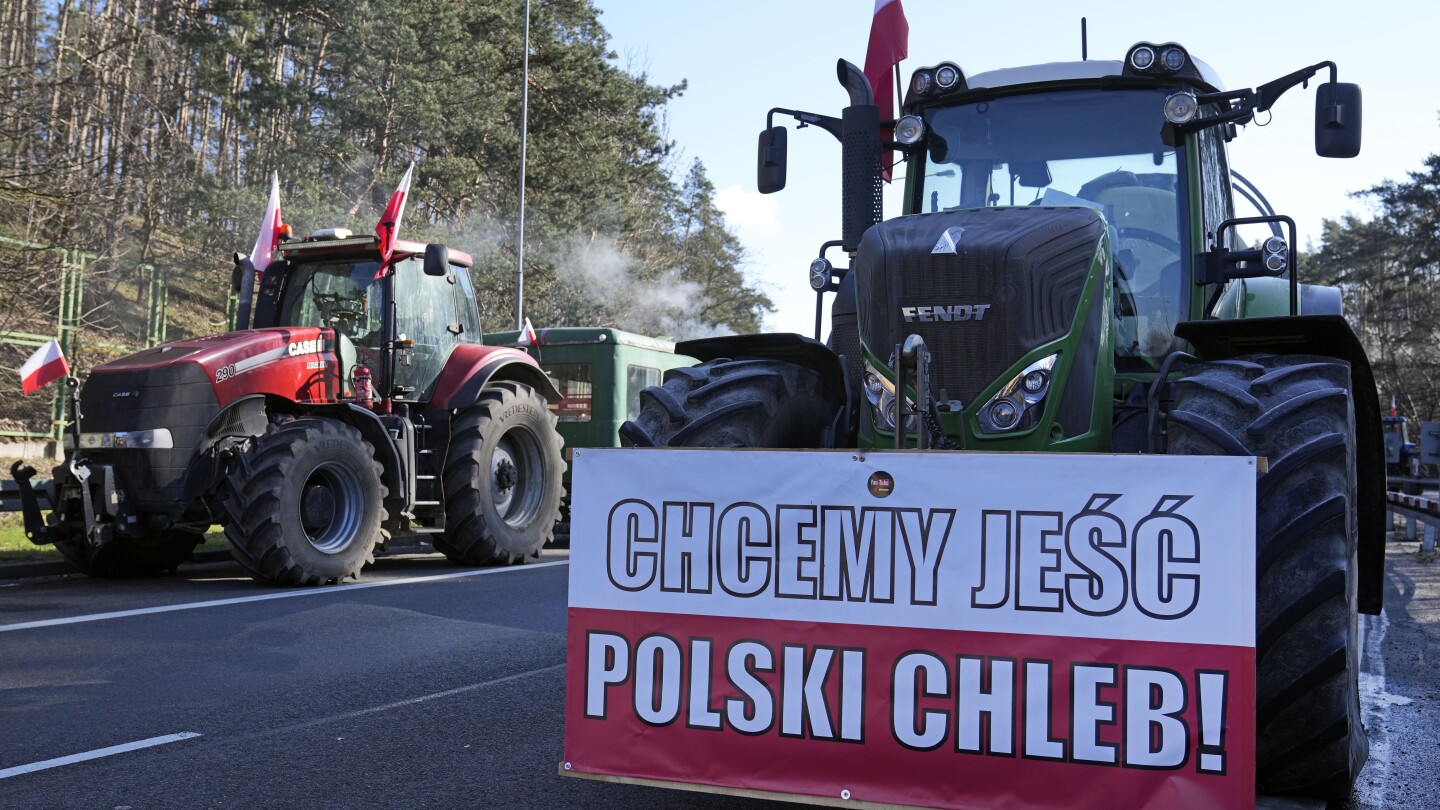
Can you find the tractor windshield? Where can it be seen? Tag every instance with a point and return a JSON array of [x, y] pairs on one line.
[[1095, 148], [343, 295]]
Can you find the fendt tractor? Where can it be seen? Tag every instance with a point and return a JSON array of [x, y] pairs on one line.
[[360, 402], [1068, 275]]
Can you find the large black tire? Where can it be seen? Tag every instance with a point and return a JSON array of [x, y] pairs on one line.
[[305, 503], [127, 557], [1297, 412], [503, 477], [743, 402]]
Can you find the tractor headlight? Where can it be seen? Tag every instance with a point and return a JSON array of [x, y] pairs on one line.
[[1003, 413], [1277, 255], [909, 129], [1036, 381], [157, 439], [820, 270], [922, 82], [1180, 107], [1018, 404], [880, 391], [947, 76]]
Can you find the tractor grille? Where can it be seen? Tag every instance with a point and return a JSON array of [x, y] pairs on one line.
[[179, 397], [1029, 265]]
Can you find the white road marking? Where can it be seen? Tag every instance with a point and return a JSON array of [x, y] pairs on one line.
[[459, 690], [97, 754], [121, 614], [1371, 787]]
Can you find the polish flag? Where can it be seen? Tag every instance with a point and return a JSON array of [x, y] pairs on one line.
[[528, 336], [889, 43], [389, 225], [269, 236], [45, 366]]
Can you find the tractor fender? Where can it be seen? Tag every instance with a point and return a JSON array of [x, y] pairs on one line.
[[393, 473], [786, 346], [471, 366], [250, 416], [1328, 336]]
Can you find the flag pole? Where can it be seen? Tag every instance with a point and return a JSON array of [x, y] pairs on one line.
[[520, 227]]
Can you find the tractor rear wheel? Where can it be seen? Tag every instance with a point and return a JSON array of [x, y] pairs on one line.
[[503, 478], [1297, 412], [744, 402], [127, 557], [305, 503]]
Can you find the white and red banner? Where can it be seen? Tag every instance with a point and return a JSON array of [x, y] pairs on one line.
[[45, 366], [929, 629]]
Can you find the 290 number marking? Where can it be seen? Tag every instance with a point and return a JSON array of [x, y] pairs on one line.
[[224, 373]]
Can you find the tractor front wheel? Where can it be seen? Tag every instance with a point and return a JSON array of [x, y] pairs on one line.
[[503, 478], [305, 503], [744, 402], [1297, 412]]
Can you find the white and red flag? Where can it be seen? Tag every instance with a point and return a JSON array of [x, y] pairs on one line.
[[388, 228], [889, 43], [45, 366], [269, 237], [528, 336]]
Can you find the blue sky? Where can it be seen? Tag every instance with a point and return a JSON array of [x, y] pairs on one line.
[[743, 57]]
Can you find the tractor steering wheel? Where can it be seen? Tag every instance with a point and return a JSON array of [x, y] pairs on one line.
[[342, 312]]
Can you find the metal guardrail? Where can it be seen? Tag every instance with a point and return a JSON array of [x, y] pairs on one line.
[[1416, 510], [10, 494]]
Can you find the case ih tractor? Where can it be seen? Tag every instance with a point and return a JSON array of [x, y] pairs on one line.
[[361, 402], [1068, 277]]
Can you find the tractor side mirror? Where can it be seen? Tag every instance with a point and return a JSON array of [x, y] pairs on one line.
[[770, 160], [237, 272], [437, 260], [1337, 120]]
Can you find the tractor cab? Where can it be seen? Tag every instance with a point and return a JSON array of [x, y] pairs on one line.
[[334, 280], [1140, 141]]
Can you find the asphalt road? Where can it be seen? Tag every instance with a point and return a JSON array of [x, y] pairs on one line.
[[439, 693], [427, 686]]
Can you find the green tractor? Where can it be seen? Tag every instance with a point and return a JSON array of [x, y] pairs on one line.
[[1069, 276]]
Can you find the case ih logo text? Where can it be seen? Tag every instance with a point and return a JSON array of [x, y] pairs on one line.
[[941, 312], [306, 347]]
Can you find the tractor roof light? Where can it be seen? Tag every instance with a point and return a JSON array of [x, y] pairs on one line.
[[922, 82], [947, 76], [909, 129], [1173, 58], [1148, 59], [1275, 244], [1142, 57], [820, 271], [1181, 107]]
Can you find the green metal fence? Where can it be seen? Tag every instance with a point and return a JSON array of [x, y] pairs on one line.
[[41, 416]]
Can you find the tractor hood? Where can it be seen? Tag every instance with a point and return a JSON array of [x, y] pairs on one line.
[[297, 363], [983, 287]]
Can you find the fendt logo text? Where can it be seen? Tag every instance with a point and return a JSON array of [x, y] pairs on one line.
[[941, 312]]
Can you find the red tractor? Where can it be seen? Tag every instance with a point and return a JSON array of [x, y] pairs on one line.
[[361, 402]]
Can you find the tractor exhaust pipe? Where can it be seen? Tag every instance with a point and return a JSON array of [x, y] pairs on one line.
[[860, 158]]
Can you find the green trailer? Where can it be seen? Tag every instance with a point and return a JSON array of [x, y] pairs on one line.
[[600, 372]]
